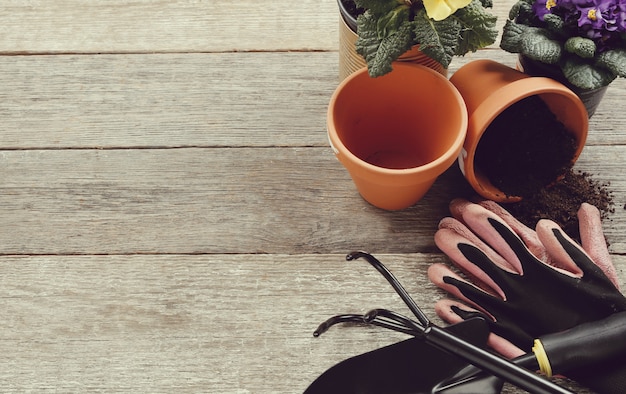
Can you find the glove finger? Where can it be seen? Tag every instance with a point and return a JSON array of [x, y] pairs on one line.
[[486, 299], [448, 240], [560, 259], [445, 309], [590, 228], [593, 241], [452, 232], [474, 226], [480, 221], [567, 252], [527, 235], [466, 235], [437, 272]]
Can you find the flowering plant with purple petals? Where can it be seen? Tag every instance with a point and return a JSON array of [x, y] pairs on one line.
[[585, 38]]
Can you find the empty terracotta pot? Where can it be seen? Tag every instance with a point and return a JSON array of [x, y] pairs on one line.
[[397, 133], [488, 88]]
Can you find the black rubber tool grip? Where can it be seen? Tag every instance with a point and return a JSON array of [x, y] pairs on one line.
[[588, 344]]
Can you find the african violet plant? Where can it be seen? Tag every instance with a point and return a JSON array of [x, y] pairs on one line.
[[442, 28], [585, 38]]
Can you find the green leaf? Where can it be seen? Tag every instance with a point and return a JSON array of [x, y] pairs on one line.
[[614, 60], [539, 45], [581, 46], [585, 75], [390, 22], [379, 52], [522, 12], [478, 28], [555, 23], [437, 39], [512, 36]]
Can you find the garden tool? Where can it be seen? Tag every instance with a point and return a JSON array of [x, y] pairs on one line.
[[423, 364], [537, 284]]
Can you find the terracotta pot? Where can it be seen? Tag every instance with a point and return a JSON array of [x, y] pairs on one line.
[[488, 88], [350, 61], [397, 133], [591, 98]]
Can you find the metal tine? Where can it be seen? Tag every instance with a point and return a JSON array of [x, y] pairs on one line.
[[397, 286], [379, 321]]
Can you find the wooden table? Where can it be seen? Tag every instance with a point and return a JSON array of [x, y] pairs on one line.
[[173, 219]]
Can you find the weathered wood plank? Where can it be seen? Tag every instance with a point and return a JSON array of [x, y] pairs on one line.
[[147, 26], [204, 100], [219, 323], [249, 99], [246, 200]]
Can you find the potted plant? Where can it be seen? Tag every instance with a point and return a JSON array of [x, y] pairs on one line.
[[436, 30], [581, 43]]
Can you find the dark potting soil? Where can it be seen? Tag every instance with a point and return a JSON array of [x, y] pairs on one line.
[[560, 202], [525, 148], [351, 7], [523, 151]]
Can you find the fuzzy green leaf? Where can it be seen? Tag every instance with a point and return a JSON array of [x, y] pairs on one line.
[[614, 60], [379, 52], [437, 39], [537, 44], [522, 12], [478, 28], [585, 75], [554, 23], [512, 36], [581, 46], [390, 22]]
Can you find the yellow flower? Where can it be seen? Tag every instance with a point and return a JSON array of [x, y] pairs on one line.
[[441, 9]]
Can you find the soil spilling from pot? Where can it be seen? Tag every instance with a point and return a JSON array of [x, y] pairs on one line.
[[525, 148], [523, 151], [560, 202]]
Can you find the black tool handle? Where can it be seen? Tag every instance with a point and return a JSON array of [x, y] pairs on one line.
[[498, 366], [587, 344]]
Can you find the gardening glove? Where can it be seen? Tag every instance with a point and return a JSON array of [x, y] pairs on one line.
[[530, 284], [526, 283]]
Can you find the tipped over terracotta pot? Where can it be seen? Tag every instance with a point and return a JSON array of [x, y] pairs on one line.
[[488, 88], [397, 133]]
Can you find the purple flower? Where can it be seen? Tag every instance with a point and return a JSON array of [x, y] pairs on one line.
[[543, 7], [597, 18], [620, 15]]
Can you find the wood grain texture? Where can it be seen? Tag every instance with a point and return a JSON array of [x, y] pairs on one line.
[[194, 100], [218, 324], [172, 218], [230, 200], [148, 26], [102, 101]]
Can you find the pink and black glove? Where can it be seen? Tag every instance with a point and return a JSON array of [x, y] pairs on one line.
[[527, 284]]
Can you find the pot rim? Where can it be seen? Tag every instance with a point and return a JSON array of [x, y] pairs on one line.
[[447, 158], [492, 107], [347, 17]]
